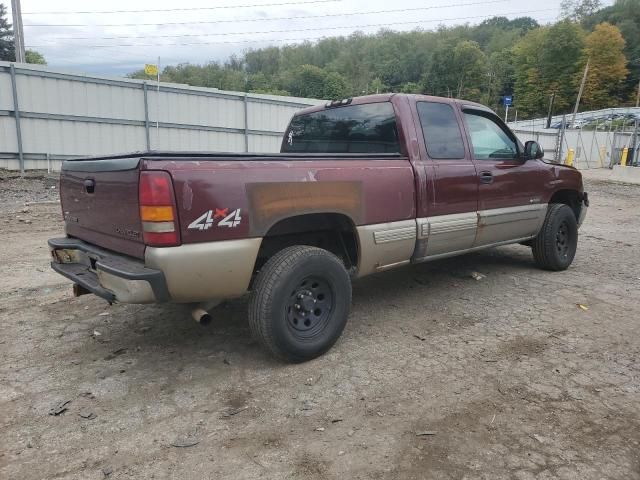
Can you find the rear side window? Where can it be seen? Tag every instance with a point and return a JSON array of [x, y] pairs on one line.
[[368, 128], [441, 131]]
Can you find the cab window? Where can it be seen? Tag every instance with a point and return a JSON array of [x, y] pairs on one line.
[[441, 131], [488, 139], [367, 128]]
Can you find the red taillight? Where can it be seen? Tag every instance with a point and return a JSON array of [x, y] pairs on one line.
[[158, 209]]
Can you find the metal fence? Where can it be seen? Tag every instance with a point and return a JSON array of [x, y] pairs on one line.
[[48, 115], [587, 148]]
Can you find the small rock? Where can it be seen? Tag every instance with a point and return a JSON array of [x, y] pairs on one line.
[[60, 408], [87, 415], [103, 314], [350, 433], [477, 275], [106, 471], [341, 452], [540, 438], [319, 429]]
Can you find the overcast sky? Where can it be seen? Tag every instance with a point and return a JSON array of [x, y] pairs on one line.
[[224, 31]]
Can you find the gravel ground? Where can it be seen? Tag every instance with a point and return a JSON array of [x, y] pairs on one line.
[[437, 376]]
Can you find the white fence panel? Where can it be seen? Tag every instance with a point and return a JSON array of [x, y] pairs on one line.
[[63, 115]]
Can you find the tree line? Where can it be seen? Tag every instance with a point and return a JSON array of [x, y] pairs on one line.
[[481, 62]]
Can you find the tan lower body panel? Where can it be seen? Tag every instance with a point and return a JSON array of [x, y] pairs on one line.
[[385, 245], [200, 272], [455, 234], [446, 233], [503, 224]]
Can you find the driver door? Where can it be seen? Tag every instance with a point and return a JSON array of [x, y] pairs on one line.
[[509, 189]]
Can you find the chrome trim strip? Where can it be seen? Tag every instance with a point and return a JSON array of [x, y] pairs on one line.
[[395, 235], [453, 225], [444, 233], [506, 215]]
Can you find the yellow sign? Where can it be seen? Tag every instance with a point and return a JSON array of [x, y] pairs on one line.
[[151, 69]]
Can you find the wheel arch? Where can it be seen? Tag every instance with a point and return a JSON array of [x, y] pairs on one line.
[[332, 231], [571, 198]]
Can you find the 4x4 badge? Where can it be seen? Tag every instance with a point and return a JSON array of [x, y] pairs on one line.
[[208, 218]]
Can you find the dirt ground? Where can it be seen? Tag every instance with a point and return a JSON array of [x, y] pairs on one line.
[[437, 376]]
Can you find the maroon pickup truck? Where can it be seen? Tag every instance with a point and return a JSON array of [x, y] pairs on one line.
[[361, 186]]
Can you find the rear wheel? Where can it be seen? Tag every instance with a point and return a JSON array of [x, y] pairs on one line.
[[300, 303], [555, 246]]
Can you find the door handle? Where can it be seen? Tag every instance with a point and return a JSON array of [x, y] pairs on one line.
[[486, 177]]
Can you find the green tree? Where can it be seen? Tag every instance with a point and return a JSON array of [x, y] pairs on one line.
[[604, 48], [501, 76], [578, 10], [458, 70], [314, 82], [559, 62], [546, 61], [529, 93], [306, 81], [335, 86], [7, 52], [31, 56], [377, 86]]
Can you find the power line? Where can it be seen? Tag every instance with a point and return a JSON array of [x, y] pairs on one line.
[[337, 27], [184, 9], [288, 31], [209, 22]]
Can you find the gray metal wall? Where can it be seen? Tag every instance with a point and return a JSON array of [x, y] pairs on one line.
[[64, 115]]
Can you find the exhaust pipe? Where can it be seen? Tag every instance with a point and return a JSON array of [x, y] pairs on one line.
[[201, 316], [201, 312]]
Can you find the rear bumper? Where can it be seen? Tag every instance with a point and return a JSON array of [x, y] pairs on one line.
[[116, 278], [193, 273]]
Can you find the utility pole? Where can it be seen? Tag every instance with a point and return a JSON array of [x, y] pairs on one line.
[[552, 99], [584, 80], [635, 161], [18, 31]]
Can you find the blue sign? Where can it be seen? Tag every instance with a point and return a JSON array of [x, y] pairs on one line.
[[507, 100]]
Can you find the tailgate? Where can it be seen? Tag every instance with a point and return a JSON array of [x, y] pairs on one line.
[[100, 203]]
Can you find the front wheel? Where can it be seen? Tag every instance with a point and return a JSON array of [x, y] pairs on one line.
[[300, 303], [555, 246]]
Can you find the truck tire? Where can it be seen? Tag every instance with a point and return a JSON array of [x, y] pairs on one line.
[[555, 246], [300, 303]]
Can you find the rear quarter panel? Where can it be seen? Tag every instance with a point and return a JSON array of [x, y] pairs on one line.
[[266, 191]]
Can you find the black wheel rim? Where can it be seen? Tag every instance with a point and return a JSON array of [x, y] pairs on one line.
[[309, 307], [563, 239]]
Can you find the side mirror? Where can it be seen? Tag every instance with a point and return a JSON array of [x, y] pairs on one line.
[[532, 150]]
